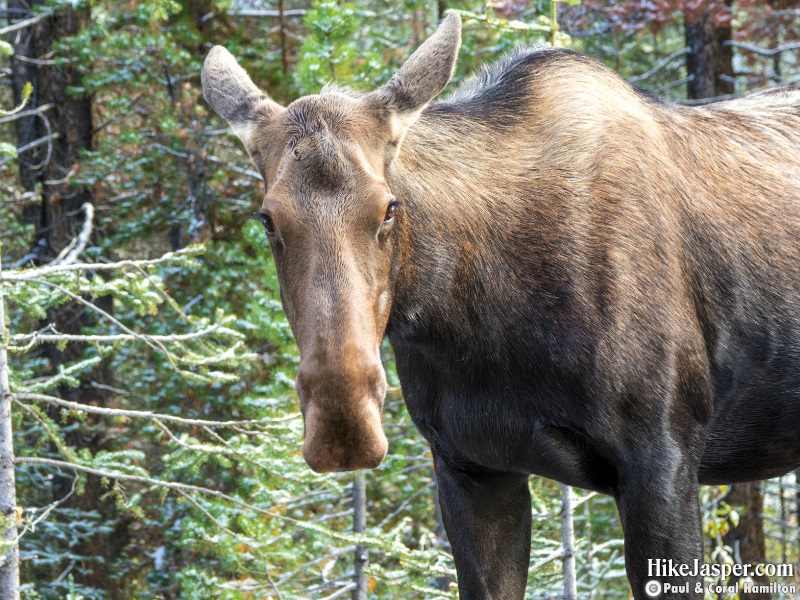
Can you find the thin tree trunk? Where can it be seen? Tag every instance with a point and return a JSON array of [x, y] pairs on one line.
[[587, 515], [797, 503], [282, 37], [784, 519], [568, 544], [9, 569], [709, 62], [747, 538], [360, 526]]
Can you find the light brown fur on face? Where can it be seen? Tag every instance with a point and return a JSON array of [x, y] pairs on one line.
[[334, 256], [324, 162]]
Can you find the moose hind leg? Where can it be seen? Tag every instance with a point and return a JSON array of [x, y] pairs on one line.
[[488, 522], [660, 511]]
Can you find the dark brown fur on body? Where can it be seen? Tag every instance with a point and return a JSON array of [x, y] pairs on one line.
[[578, 280]]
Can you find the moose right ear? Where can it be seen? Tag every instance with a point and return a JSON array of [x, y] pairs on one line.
[[231, 92], [422, 76]]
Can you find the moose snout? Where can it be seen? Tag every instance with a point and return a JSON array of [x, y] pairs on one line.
[[341, 405]]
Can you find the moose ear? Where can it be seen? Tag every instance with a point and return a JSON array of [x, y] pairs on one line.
[[423, 75], [231, 92]]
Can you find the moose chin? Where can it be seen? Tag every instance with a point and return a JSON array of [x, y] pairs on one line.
[[579, 281]]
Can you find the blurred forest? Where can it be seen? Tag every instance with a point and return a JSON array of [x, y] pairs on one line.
[[156, 431]]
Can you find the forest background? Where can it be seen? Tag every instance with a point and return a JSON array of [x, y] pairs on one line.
[[150, 367]]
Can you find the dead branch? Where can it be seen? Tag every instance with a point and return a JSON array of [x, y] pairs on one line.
[[138, 414]]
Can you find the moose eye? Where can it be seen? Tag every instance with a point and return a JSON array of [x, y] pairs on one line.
[[269, 226], [391, 210]]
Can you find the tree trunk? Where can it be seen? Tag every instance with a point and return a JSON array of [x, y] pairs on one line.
[[66, 130], [360, 526], [747, 539], [9, 569], [709, 61], [797, 502], [568, 544]]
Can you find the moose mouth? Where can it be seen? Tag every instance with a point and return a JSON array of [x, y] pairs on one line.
[[337, 440]]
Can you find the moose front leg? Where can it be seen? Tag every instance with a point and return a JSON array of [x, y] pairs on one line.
[[660, 511], [488, 522]]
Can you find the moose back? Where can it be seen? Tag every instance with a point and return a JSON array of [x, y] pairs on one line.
[[578, 280]]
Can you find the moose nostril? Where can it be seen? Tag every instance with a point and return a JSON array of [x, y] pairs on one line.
[[378, 381], [302, 386], [343, 438]]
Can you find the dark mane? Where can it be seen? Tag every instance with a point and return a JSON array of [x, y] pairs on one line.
[[500, 80], [501, 91]]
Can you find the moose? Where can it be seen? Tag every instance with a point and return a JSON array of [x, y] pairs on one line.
[[579, 281]]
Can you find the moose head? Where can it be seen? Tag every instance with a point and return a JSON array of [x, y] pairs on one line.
[[336, 231]]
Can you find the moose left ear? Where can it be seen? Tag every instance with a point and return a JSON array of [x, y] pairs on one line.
[[422, 76]]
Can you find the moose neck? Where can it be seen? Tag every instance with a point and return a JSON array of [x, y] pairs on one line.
[[501, 225], [466, 248]]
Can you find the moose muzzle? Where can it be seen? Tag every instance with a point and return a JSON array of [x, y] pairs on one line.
[[341, 407]]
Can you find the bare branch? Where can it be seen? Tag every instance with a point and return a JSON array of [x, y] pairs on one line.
[[201, 508], [25, 23], [138, 414], [762, 51], [48, 139], [273, 585], [49, 270], [46, 62], [341, 592], [226, 449], [296, 12], [663, 63], [66, 179], [70, 254], [27, 113], [241, 171], [171, 485], [127, 477], [50, 338], [47, 510]]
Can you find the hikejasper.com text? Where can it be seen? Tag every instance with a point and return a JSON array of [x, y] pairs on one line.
[[662, 567]]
